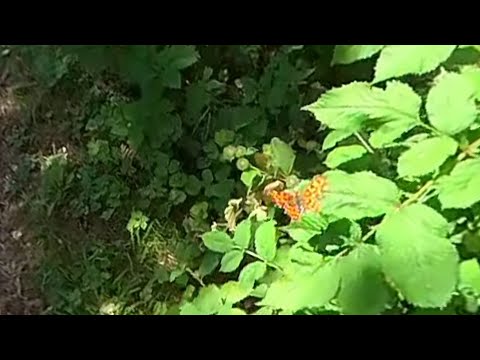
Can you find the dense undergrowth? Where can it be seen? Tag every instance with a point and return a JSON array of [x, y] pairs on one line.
[[253, 179]]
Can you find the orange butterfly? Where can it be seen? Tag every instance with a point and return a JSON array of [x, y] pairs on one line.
[[296, 203]]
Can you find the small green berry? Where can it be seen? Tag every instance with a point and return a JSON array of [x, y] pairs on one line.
[[291, 181], [241, 151], [243, 164]]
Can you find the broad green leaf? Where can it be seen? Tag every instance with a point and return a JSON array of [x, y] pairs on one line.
[[334, 137], [209, 300], [300, 234], [417, 256], [231, 311], [178, 56], [472, 75], [266, 240], [310, 224], [350, 106], [260, 291], [193, 185], [363, 289], [359, 195], [209, 262], [387, 133], [400, 60], [343, 154], [243, 234], [451, 104], [234, 292], [470, 274], [231, 260], [461, 188], [308, 291], [347, 54], [251, 273], [217, 241], [283, 156], [426, 156]]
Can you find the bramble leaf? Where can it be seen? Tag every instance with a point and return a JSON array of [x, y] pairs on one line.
[[334, 137], [347, 54], [217, 241], [399, 60], [243, 234], [251, 273], [451, 104], [349, 107], [266, 241], [343, 154], [426, 156], [460, 189], [363, 289], [470, 274], [417, 256], [308, 290], [283, 156], [359, 195], [231, 260]]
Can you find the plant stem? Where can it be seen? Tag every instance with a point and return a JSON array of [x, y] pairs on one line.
[[364, 143], [256, 256], [469, 150]]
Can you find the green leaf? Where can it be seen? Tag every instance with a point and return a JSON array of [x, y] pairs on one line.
[[193, 185], [190, 309], [363, 290], [343, 154], [179, 56], [387, 133], [248, 177], [308, 291], [347, 54], [259, 291], [472, 75], [231, 311], [266, 241], [217, 241], [470, 274], [461, 188], [243, 234], [234, 292], [417, 256], [231, 260], [334, 137], [426, 156], [209, 300], [264, 311], [451, 104], [283, 156], [251, 273], [359, 195], [209, 262], [350, 106], [400, 60]]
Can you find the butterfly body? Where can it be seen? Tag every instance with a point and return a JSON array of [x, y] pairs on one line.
[[296, 203]]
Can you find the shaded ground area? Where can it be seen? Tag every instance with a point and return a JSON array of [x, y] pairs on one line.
[[19, 254]]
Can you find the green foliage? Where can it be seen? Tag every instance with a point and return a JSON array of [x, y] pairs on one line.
[[214, 129]]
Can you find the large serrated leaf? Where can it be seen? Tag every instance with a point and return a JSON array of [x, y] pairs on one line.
[[426, 156], [343, 154], [283, 155], [347, 54], [209, 300], [461, 189], [266, 240], [399, 60], [308, 291], [359, 195], [363, 289], [451, 104], [417, 256], [350, 106]]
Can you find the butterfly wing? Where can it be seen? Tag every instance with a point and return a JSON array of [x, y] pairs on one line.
[[288, 201], [313, 194]]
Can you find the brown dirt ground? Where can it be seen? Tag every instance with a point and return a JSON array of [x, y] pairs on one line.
[[19, 255]]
